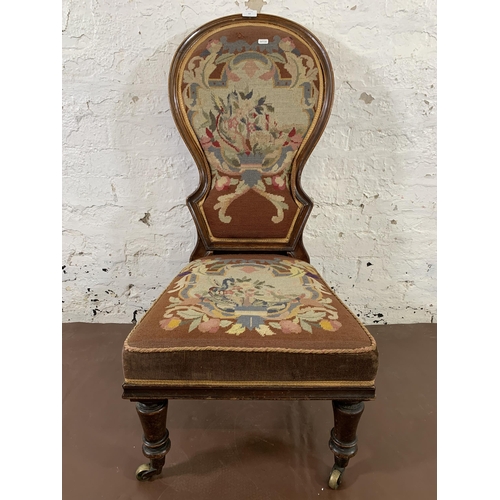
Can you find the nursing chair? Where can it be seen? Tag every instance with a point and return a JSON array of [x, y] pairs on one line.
[[249, 317]]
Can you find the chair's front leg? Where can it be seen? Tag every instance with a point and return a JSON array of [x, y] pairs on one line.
[[343, 441], [156, 443]]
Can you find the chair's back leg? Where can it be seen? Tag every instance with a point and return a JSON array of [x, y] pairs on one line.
[[156, 443], [343, 440]]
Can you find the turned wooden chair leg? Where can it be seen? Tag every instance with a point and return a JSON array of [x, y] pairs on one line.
[[343, 441], [156, 443]]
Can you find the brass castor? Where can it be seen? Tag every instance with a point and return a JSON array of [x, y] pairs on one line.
[[145, 472], [335, 478]]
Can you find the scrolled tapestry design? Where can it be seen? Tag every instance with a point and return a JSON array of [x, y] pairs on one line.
[[250, 106], [268, 296]]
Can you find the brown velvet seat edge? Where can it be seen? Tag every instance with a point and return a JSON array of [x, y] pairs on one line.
[[152, 355], [223, 366]]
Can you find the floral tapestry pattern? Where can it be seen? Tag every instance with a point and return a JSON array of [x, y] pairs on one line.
[[269, 296], [251, 117]]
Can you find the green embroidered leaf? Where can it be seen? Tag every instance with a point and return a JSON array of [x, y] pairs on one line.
[[275, 325], [194, 324], [243, 280], [213, 123], [189, 314], [225, 323], [267, 163], [276, 57], [313, 316], [306, 326], [218, 101], [223, 58], [268, 180]]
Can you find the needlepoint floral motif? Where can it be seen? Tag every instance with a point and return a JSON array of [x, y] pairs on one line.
[[268, 296], [250, 106]]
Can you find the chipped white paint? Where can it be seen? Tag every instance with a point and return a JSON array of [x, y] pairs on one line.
[[127, 172]]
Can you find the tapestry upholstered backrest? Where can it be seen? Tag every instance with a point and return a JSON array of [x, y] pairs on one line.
[[250, 97]]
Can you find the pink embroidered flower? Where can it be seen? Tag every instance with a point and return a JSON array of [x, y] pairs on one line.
[[288, 326], [206, 142], [214, 46], [286, 44], [170, 323], [233, 122], [232, 76], [336, 325], [249, 269], [210, 326], [279, 182], [294, 139], [267, 75], [222, 183]]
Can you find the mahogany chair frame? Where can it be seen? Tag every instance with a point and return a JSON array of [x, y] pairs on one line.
[[152, 400]]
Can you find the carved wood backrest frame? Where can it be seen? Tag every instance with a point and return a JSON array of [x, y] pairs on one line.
[[292, 244]]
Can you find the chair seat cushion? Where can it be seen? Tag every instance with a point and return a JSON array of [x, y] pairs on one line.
[[235, 318]]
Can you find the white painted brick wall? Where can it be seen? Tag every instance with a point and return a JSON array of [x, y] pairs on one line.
[[127, 231]]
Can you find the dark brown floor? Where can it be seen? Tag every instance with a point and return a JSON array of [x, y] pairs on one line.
[[249, 449]]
